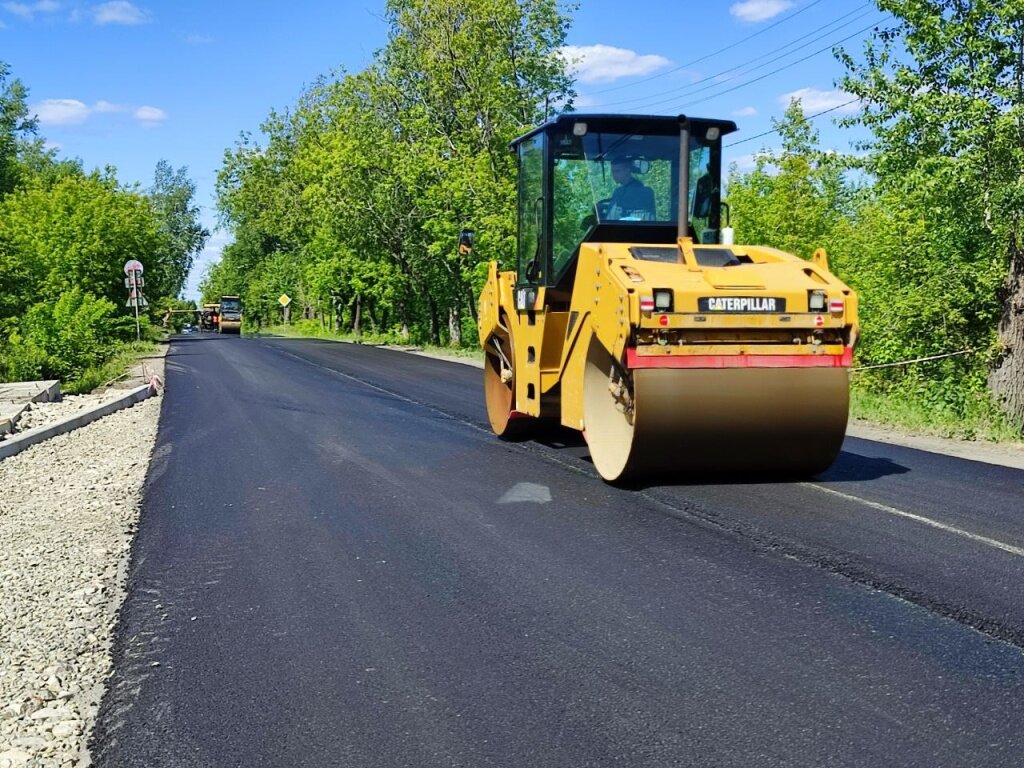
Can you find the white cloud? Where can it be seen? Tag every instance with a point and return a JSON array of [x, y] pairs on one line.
[[603, 63], [22, 10], [61, 112], [752, 11], [150, 117], [75, 112], [106, 106], [197, 39], [745, 112], [27, 11], [52, 146], [118, 12], [813, 100]]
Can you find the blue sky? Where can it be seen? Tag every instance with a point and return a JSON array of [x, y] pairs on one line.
[[129, 83]]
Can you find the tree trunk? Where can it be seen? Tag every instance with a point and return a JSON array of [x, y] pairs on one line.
[[1007, 377], [356, 312], [435, 321], [454, 326]]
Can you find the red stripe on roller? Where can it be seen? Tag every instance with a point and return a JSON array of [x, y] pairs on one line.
[[633, 360]]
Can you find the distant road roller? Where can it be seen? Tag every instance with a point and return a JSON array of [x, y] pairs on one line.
[[230, 315], [634, 318]]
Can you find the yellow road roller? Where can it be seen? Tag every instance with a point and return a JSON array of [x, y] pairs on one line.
[[634, 318], [230, 314]]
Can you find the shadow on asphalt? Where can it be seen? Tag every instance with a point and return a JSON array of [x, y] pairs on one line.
[[852, 467], [848, 467]]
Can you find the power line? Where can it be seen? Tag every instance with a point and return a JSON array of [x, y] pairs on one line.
[[828, 47], [806, 117], [714, 53], [772, 54]]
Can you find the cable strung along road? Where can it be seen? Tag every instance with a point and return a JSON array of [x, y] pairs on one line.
[[338, 565]]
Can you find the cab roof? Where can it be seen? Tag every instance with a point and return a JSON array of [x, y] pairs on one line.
[[648, 125]]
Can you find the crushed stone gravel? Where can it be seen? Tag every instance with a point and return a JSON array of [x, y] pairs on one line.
[[43, 414], [68, 510]]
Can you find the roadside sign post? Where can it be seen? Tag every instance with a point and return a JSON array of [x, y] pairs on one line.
[[284, 301], [133, 283]]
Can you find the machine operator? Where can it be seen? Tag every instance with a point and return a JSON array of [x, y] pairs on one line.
[[631, 200]]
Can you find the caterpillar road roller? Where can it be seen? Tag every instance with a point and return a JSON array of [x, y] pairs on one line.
[[633, 317]]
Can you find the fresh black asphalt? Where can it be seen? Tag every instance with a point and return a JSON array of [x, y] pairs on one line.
[[338, 565]]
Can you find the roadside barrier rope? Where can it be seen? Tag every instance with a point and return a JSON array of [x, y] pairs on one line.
[[915, 360], [116, 378]]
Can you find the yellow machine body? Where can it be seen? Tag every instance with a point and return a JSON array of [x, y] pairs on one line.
[[676, 357]]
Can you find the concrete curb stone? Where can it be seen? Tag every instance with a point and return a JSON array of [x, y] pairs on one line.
[[9, 415], [15, 445]]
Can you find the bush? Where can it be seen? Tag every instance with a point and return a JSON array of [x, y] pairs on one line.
[[64, 339]]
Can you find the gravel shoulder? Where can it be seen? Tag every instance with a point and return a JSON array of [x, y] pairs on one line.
[[68, 511]]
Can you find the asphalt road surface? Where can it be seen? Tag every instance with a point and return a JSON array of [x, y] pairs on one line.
[[338, 565]]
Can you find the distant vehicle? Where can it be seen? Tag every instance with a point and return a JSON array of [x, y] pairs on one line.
[[209, 317], [188, 328], [230, 314]]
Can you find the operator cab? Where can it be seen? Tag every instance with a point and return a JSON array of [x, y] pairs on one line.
[[614, 178]]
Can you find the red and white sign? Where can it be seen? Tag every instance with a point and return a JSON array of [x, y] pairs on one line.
[[132, 266]]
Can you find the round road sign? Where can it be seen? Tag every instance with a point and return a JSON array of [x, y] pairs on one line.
[[132, 266]]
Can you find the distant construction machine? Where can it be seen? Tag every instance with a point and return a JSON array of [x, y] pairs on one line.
[[634, 318], [230, 314], [209, 317]]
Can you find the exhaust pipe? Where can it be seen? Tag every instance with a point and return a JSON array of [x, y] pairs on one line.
[[683, 212]]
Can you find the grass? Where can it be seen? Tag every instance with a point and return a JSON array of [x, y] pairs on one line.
[[123, 359], [981, 420]]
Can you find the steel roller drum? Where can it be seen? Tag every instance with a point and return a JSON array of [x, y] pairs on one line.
[[499, 395], [780, 421]]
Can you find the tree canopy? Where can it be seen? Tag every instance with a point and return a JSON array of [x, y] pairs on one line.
[[353, 200], [942, 89], [64, 237]]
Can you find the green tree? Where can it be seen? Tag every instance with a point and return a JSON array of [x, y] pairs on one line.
[[943, 94], [64, 236], [15, 126], [368, 181], [76, 233], [173, 198], [793, 198]]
